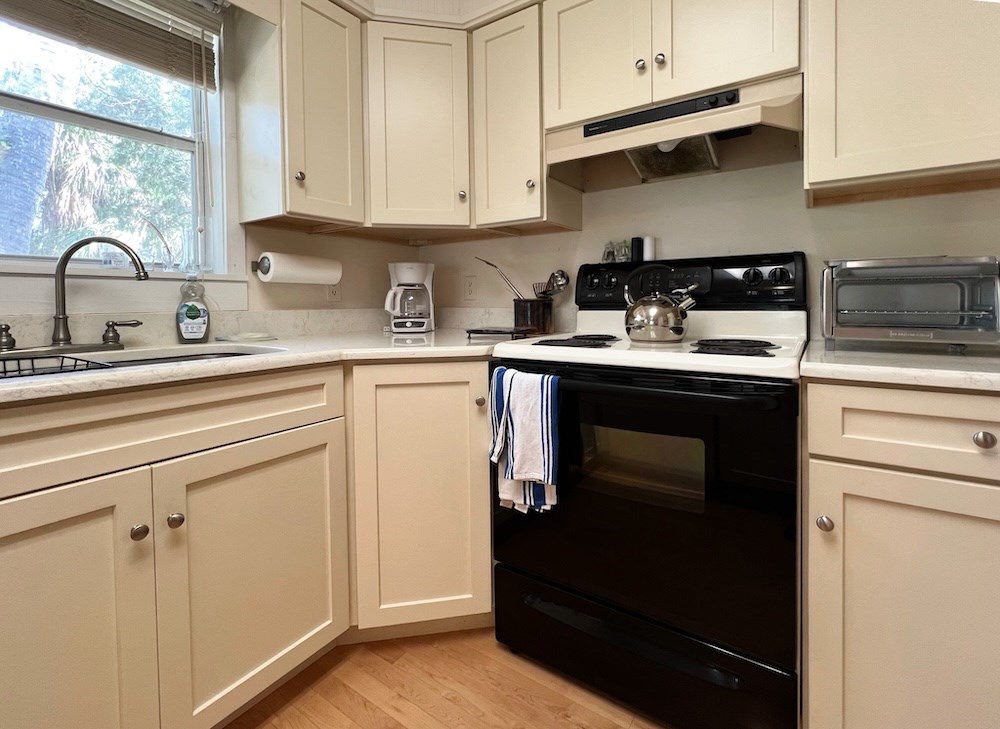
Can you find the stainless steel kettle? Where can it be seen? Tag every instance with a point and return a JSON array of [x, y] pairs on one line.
[[657, 318]]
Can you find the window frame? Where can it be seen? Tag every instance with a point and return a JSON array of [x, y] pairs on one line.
[[226, 236]]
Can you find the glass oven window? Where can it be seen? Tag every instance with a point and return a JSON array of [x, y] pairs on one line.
[[653, 468]]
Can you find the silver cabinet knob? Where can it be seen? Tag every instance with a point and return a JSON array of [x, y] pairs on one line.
[[139, 532], [985, 440], [530, 184], [462, 194], [660, 59], [300, 176], [825, 523], [640, 64], [175, 520], [480, 401]]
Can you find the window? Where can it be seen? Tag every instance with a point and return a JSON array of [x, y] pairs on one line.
[[94, 144]]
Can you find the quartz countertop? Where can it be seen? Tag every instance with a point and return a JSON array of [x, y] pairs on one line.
[[965, 372], [296, 352]]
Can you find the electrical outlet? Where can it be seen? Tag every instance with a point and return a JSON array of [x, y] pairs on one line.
[[470, 288], [333, 293]]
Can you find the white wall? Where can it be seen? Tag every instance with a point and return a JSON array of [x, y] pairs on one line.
[[748, 211]]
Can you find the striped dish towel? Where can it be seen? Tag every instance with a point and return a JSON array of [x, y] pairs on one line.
[[524, 409]]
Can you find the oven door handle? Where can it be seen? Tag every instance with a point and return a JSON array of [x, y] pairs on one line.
[[744, 402]]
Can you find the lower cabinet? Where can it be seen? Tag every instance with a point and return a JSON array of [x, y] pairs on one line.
[[902, 594], [250, 578], [421, 491], [78, 606], [902, 567]]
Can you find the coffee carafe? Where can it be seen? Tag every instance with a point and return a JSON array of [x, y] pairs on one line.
[[410, 301]]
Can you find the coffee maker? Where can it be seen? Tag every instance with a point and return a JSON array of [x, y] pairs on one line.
[[410, 301]]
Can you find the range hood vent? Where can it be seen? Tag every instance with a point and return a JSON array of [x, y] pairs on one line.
[[692, 156], [776, 103]]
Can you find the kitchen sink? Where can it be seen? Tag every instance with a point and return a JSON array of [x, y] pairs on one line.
[[30, 364], [177, 353]]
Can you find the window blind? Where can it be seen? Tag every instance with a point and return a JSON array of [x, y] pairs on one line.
[[172, 37]]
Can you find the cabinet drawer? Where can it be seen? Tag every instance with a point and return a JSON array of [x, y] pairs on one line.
[[931, 431], [66, 440]]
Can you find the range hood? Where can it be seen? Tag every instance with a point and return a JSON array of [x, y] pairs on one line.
[[650, 135]]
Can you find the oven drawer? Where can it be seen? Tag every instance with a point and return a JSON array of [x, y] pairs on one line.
[[914, 429], [684, 681]]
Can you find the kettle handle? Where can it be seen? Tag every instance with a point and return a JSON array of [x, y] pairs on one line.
[[637, 273], [392, 301]]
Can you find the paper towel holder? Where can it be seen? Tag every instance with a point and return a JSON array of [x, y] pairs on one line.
[[263, 265]]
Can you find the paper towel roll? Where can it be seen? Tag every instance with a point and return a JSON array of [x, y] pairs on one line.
[[290, 268]]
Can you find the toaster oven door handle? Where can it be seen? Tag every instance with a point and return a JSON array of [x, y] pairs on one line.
[[744, 402], [826, 299]]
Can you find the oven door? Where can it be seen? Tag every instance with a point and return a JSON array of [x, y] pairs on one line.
[[676, 503]]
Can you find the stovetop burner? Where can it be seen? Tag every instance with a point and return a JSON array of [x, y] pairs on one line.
[[734, 351], [583, 343], [597, 337], [755, 343], [587, 341]]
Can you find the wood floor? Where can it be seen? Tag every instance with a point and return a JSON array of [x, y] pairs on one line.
[[460, 680]]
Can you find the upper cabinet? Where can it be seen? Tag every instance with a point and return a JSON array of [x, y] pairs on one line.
[[299, 114], [418, 125], [512, 189], [607, 56], [507, 119], [901, 88]]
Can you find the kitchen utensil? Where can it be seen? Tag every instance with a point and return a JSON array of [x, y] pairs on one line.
[[658, 318], [510, 285], [558, 281], [540, 289]]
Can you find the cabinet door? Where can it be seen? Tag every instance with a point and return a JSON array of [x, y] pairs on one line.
[[421, 492], [78, 607], [703, 44], [591, 49], [323, 119], [900, 86], [902, 597], [418, 122], [507, 124], [255, 579]]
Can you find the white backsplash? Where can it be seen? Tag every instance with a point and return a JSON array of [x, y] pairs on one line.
[[158, 329], [32, 330]]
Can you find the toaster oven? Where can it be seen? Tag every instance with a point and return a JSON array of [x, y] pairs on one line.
[[937, 299]]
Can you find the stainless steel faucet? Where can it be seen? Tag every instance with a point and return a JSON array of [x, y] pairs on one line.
[[60, 330]]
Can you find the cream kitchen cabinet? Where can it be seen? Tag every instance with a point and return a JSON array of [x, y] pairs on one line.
[[78, 607], [608, 56], [169, 595], [903, 568], [299, 120], [511, 185], [421, 494], [418, 125], [901, 90]]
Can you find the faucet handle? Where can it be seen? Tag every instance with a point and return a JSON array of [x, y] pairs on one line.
[[7, 342], [111, 335]]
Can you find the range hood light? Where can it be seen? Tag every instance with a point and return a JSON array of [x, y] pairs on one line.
[[669, 146]]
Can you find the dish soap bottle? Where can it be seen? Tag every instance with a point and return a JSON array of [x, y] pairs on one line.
[[192, 313]]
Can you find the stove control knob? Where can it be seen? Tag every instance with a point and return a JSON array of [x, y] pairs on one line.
[[779, 275], [752, 277], [610, 280], [593, 281]]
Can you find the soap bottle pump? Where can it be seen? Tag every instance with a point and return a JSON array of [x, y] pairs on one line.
[[192, 313]]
